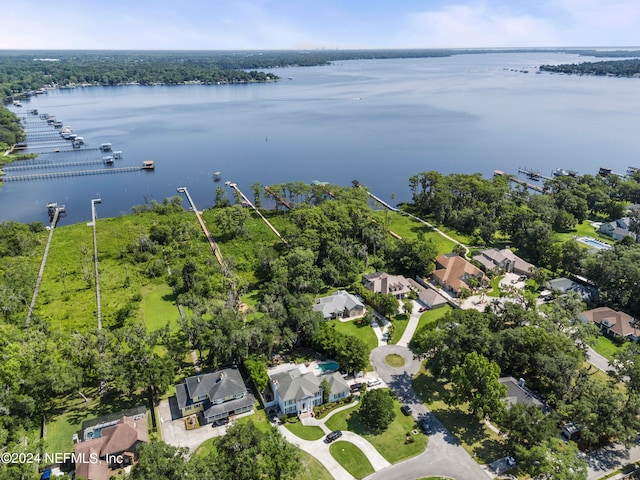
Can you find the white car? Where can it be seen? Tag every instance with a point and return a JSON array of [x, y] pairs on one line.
[[372, 382]]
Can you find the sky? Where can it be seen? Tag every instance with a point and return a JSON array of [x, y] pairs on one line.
[[314, 24]]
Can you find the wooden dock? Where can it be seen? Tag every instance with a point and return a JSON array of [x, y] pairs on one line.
[[273, 229], [56, 210], [49, 164], [212, 243], [515, 179], [277, 197], [533, 174], [77, 173]]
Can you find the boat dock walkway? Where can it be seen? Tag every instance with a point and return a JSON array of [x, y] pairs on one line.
[[212, 243], [77, 173], [277, 197], [515, 179], [32, 166], [533, 174], [248, 202], [56, 210]]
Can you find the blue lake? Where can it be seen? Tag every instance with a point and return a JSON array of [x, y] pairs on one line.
[[377, 121]]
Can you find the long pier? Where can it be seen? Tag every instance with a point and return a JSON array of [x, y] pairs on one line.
[[244, 197], [77, 173], [515, 179], [533, 174], [51, 165], [57, 210], [212, 243], [277, 197]]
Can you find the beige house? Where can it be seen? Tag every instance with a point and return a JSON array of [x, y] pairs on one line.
[[110, 446], [382, 282], [453, 273], [616, 324]]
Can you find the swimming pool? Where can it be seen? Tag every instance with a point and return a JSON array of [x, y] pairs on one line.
[[592, 242], [327, 367]]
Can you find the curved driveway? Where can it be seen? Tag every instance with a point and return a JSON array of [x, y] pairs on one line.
[[444, 456]]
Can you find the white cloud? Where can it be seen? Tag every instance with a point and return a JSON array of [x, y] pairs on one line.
[[476, 26]]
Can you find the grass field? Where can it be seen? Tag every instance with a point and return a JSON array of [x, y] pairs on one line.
[[391, 443], [305, 432], [400, 323], [431, 317], [394, 360], [362, 331], [606, 347], [407, 227], [312, 469], [483, 444], [351, 458]]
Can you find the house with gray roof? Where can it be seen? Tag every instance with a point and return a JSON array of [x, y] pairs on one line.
[[504, 261], [566, 286], [296, 390], [214, 396], [618, 229], [338, 386], [339, 305], [518, 393]]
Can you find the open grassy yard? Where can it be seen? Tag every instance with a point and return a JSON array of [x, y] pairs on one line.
[[392, 442], [483, 444], [158, 307], [305, 432], [407, 227], [431, 317], [312, 469], [363, 331], [400, 323], [606, 347], [351, 458], [73, 410]]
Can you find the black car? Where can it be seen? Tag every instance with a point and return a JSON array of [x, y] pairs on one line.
[[406, 409], [425, 426], [333, 436], [356, 387], [220, 422]]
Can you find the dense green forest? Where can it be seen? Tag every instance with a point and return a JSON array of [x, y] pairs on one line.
[[11, 130], [617, 68], [258, 304], [22, 71]]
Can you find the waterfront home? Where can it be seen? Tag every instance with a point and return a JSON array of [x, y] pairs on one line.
[[618, 229], [454, 274], [341, 304], [214, 396]]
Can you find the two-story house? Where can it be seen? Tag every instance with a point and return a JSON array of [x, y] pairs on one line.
[[454, 273], [296, 390], [217, 395], [382, 282]]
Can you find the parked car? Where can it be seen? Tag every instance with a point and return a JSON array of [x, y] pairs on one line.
[[423, 309], [372, 382], [356, 387], [426, 426], [333, 436], [406, 409], [220, 422]]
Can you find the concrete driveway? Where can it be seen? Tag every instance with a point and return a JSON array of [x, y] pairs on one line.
[[174, 432]]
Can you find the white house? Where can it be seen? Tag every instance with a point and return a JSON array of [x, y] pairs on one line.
[[338, 386], [296, 390]]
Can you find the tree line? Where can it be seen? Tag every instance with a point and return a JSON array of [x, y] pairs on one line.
[[616, 68]]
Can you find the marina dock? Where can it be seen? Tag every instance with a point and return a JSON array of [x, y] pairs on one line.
[[76, 173], [515, 179]]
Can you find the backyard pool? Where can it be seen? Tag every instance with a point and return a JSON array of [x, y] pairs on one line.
[[327, 367], [592, 242]]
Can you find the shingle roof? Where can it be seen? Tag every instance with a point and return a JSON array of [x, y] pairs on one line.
[[220, 384], [337, 384], [619, 323], [337, 303], [295, 385]]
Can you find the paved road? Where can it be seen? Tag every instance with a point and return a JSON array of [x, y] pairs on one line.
[[444, 456]]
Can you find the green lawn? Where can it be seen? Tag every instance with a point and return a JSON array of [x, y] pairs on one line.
[[483, 444], [362, 331], [583, 230], [407, 227], [158, 307], [392, 442], [312, 469], [400, 323], [606, 347], [394, 360], [305, 432], [431, 317], [351, 458], [495, 287]]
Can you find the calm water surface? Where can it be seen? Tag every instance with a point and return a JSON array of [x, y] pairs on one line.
[[378, 121]]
